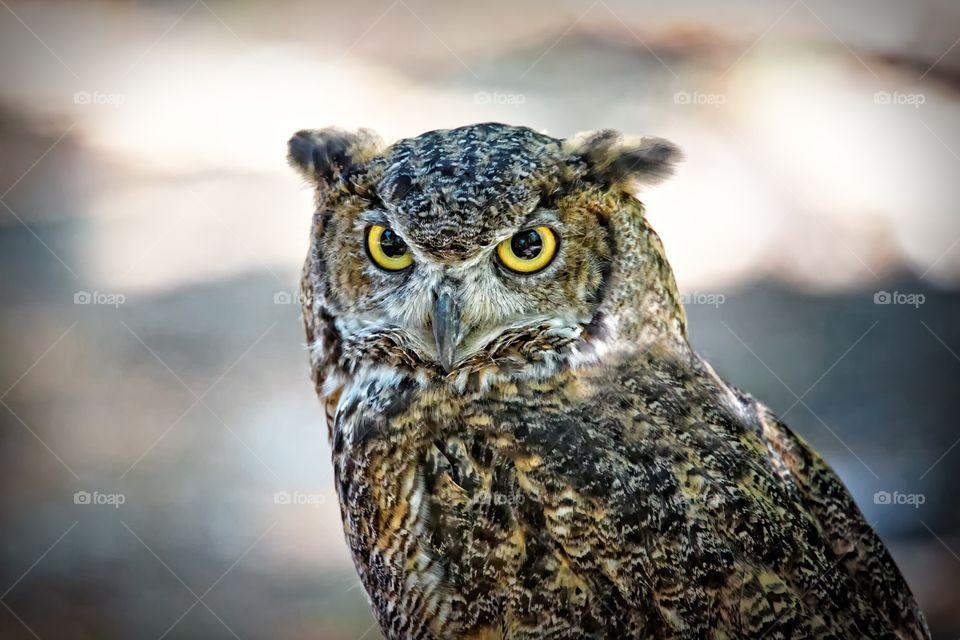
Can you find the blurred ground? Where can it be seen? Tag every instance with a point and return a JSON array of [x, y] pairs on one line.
[[151, 237]]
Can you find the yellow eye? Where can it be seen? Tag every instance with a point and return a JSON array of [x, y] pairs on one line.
[[529, 250], [387, 250]]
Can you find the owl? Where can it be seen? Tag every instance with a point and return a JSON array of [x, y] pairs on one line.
[[525, 444]]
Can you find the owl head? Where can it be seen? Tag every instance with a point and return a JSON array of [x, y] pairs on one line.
[[487, 247]]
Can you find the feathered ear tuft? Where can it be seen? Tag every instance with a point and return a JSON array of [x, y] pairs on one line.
[[322, 155], [614, 159]]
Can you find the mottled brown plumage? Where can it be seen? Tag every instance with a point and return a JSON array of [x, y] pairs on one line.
[[574, 469]]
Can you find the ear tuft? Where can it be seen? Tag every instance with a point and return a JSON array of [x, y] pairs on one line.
[[625, 160], [322, 155]]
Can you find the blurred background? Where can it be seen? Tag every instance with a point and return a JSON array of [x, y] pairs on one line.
[[165, 471]]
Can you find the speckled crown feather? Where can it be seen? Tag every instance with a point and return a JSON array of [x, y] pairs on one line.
[[451, 191]]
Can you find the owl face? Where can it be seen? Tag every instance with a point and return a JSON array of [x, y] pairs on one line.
[[483, 244], [546, 269]]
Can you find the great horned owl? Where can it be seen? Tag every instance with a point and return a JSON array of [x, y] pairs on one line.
[[525, 444]]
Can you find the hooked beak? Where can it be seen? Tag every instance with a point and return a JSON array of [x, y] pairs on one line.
[[446, 328]]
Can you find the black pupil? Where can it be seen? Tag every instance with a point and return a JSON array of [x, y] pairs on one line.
[[527, 245], [391, 244]]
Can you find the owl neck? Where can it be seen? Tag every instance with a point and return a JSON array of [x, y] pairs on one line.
[[641, 305]]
